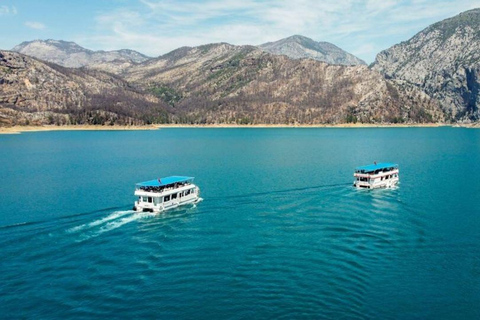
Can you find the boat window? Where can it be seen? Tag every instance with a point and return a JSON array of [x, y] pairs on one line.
[[150, 199], [144, 199], [174, 196], [167, 198]]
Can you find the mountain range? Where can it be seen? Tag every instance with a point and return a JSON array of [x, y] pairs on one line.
[[36, 92], [71, 55], [433, 77]]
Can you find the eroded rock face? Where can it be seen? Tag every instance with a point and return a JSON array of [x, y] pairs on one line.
[[35, 92], [300, 47], [444, 61], [71, 55]]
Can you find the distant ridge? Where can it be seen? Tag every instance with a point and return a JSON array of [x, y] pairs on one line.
[[71, 55], [300, 47]]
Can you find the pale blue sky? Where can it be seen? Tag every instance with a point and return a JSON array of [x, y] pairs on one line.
[[155, 27]]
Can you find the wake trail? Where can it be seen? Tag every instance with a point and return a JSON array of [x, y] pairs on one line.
[[70, 216], [113, 216], [255, 194], [106, 224]]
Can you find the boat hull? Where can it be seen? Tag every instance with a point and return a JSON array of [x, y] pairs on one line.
[[156, 209], [380, 185]]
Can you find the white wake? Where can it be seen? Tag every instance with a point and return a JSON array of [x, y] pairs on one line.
[[111, 222]]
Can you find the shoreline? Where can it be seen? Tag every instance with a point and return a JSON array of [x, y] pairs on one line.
[[20, 129], [340, 125]]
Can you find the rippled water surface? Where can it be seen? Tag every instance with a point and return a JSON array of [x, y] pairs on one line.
[[280, 234]]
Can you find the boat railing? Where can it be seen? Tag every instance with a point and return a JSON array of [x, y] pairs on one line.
[[375, 175], [162, 189]]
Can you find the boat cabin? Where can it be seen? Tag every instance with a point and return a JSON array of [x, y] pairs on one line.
[[377, 175]]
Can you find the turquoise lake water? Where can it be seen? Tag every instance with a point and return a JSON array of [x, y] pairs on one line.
[[281, 232]]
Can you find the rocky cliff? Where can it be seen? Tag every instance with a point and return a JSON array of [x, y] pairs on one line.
[[35, 92], [444, 61], [71, 55], [222, 83], [300, 47]]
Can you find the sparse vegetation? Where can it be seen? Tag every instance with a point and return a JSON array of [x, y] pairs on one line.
[[167, 94], [220, 83]]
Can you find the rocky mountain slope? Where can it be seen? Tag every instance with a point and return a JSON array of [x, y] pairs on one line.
[[444, 61], [433, 77], [71, 55], [222, 83], [36, 92], [300, 47]]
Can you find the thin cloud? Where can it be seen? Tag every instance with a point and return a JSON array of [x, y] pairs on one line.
[[6, 10], [35, 25]]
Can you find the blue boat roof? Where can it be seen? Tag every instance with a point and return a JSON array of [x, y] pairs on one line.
[[376, 166], [164, 181]]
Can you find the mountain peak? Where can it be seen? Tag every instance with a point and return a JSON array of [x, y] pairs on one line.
[[296, 37], [467, 19], [301, 47], [49, 44]]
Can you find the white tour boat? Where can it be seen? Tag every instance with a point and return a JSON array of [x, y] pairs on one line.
[[377, 175], [165, 193]]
